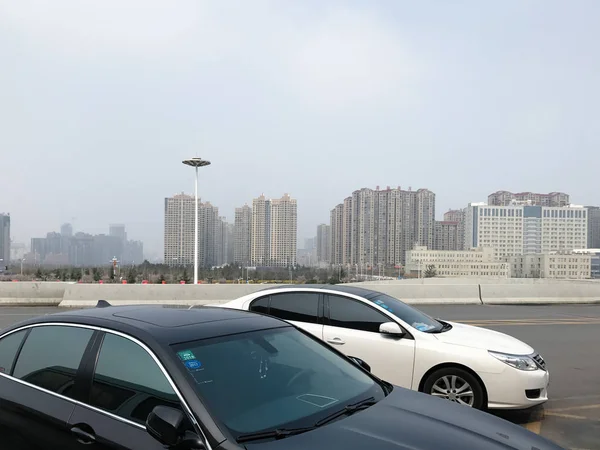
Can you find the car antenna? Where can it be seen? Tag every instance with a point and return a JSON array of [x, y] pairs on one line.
[[102, 304]]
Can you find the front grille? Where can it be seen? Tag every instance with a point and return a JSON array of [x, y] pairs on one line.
[[539, 361]]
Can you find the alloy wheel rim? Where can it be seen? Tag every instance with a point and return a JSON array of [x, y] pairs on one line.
[[455, 389]]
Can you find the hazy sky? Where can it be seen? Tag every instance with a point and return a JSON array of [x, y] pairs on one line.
[[101, 100]]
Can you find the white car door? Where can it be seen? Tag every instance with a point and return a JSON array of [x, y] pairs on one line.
[[353, 328], [299, 308]]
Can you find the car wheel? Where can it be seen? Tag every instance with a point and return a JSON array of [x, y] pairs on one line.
[[456, 385]]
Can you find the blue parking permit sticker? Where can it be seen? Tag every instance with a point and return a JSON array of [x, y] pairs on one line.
[[193, 364]]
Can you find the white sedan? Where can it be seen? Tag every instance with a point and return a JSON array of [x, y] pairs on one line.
[[404, 346]]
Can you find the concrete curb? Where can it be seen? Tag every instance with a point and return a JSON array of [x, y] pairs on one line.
[[30, 301]]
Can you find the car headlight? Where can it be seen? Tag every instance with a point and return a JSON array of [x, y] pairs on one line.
[[521, 362]]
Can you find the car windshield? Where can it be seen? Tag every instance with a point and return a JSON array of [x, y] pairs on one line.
[[278, 378], [413, 317]]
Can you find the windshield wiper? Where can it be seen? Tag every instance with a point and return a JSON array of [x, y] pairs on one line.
[[278, 433], [350, 409]]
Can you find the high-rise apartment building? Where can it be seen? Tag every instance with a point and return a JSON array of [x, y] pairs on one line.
[[347, 231], [323, 243], [593, 227], [242, 247], [380, 226], [274, 232], [363, 227], [447, 236], [208, 218], [425, 218], [230, 243], [284, 225], [519, 230], [458, 216], [180, 232], [505, 198], [4, 239], [336, 233], [261, 231]]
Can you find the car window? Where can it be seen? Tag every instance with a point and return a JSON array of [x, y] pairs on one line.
[[413, 317], [260, 305], [9, 346], [296, 306], [272, 378], [51, 356], [348, 313], [128, 382]]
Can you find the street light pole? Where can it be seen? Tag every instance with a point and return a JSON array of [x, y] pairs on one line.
[[196, 163]]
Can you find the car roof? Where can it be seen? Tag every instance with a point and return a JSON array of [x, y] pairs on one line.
[[163, 324], [354, 290]]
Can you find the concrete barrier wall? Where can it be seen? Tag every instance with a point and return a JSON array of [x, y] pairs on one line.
[[540, 293], [489, 280], [38, 294], [82, 295], [78, 295], [459, 294]]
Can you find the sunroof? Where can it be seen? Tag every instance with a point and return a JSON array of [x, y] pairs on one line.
[[174, 317]]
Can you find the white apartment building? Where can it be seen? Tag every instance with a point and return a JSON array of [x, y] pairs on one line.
[[261, 231], [274, 231], [336, 232], [347, 231], [478, 262], [242, 247], [179, 230], [523, 229], [568, 265], [363, 226], [284, 225]]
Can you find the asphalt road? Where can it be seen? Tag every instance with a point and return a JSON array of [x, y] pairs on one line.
[[568, 337]]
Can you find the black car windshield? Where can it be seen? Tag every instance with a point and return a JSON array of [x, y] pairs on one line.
[[413, 317], [278, 378]]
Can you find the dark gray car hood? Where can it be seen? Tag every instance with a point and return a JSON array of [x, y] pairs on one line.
[[409, 420]]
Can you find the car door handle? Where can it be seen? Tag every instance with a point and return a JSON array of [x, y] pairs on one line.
[[83, 436], [336, 341]]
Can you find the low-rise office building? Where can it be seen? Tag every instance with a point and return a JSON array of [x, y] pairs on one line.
[[477, 262], [558, 265], [594, 254]]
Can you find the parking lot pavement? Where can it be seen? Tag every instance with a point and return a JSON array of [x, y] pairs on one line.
[[567, 336]]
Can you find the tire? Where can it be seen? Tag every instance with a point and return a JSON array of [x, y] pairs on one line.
[[467, 390]]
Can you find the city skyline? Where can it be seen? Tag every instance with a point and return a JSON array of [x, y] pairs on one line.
[[452, 223], [313, 98]]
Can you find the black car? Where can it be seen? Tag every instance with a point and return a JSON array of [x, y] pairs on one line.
[[145, 377]]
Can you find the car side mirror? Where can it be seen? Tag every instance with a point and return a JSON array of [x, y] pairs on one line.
[[361, 363], [166, 425], [391, 328]]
